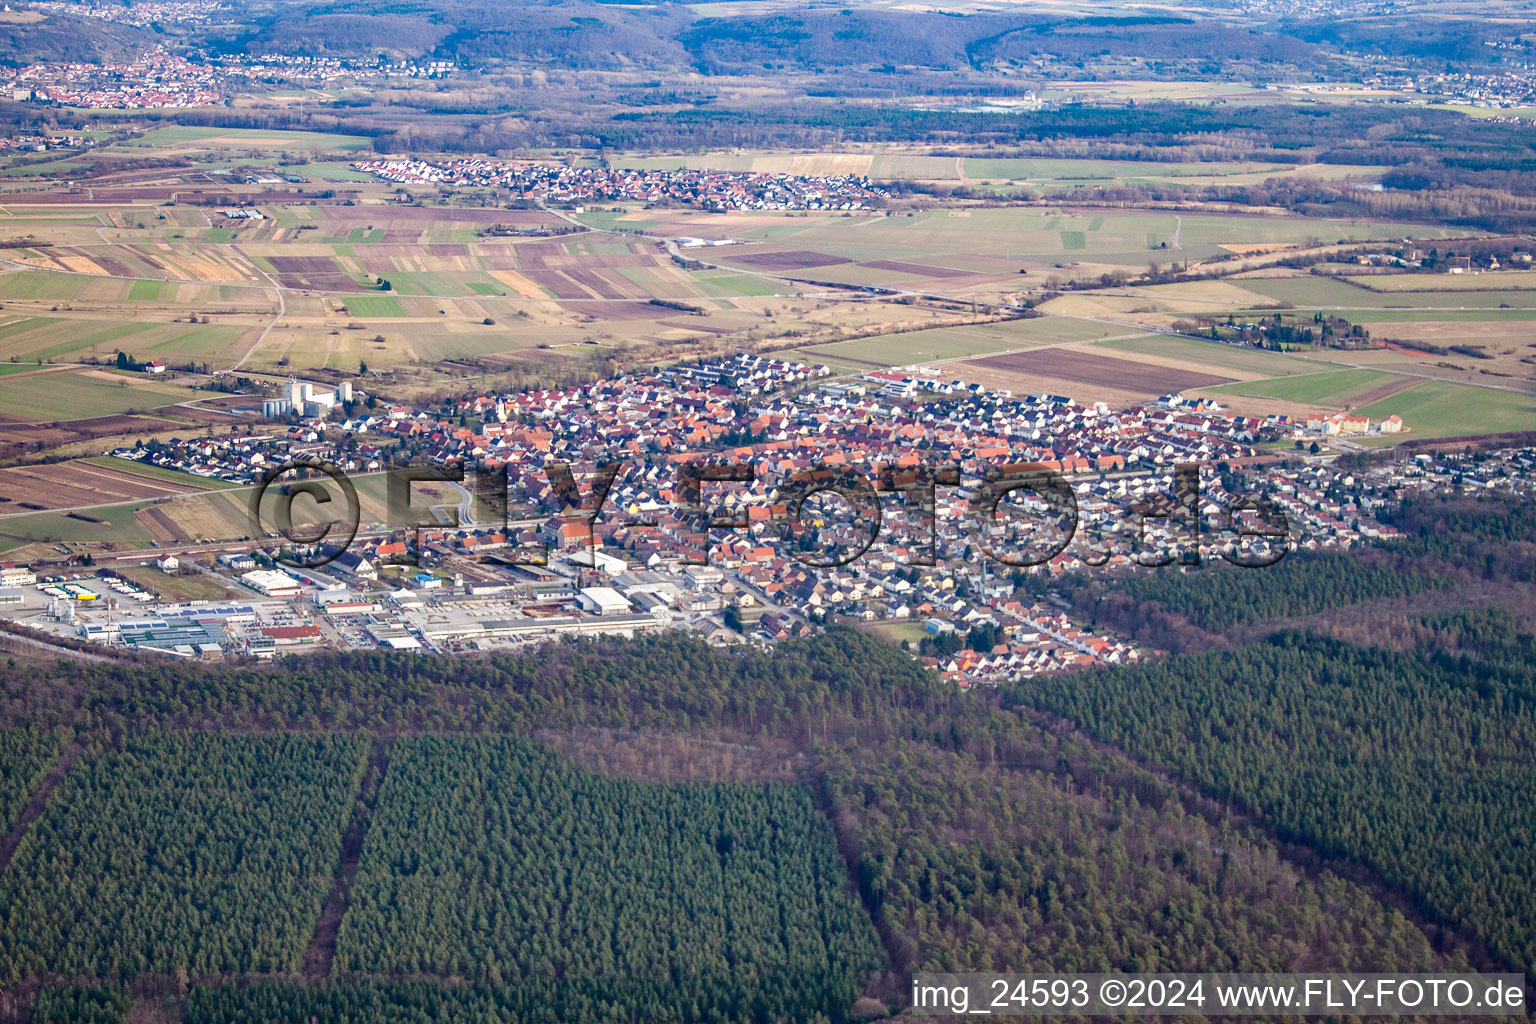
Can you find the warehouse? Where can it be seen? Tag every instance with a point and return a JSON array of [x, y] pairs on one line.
[[603, 601], [273, 584]]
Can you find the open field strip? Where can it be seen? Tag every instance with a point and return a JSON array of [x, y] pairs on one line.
[[1211, 355], [1325, 293], [1325, 388], [1518, 280], [938, 344]]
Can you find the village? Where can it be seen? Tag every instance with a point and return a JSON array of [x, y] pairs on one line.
[[712, 190], [591, 529]]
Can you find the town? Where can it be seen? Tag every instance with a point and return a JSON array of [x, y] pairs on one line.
[[588, 529], [160, 79]]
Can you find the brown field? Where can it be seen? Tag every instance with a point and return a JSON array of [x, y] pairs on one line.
[[914, 268], [1386, 390], [69, 484], [600, 286], [1088, 368], [789, 259], [1024, 383], [617, 310], [554, 281], [159, 525], [304, 264], [54, 435]]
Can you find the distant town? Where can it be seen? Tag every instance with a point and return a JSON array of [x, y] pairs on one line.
[[713, 190]]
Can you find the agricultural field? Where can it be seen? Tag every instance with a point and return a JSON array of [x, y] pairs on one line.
[[192, 139], [1001, 240], [54, 339], [944, 343], [153, 857], [1442, 409], [1212, 355], [427, 294], [1518, 280], [1047, 174], [1335, 388], [1313, 292], [39, 535], [84, 483], [1083, 372], [83, 394]]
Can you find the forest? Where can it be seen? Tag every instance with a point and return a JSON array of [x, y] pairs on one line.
[[497, 860], [1413, 762], [1217, 597], [1446, 546], [180, 854], [25, 757]]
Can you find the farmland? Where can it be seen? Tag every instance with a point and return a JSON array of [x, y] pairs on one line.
[[1081, 371], [82, 483], [83, 394], [944, 343], [1328, 388], [1215, 356], [1443, 409], [458, 288]]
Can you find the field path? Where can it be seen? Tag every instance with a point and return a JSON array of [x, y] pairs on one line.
[[282, 308], [960, 169], [1178, 229]]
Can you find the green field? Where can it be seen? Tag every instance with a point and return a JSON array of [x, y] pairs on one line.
[[1441, 409], [74, 396], [993, 240], [1516, 280], [41, 339], [374, 305], [1398, 316], [36, 284], [192, 587], [116, 524], [1329, 388], [896, 632]]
